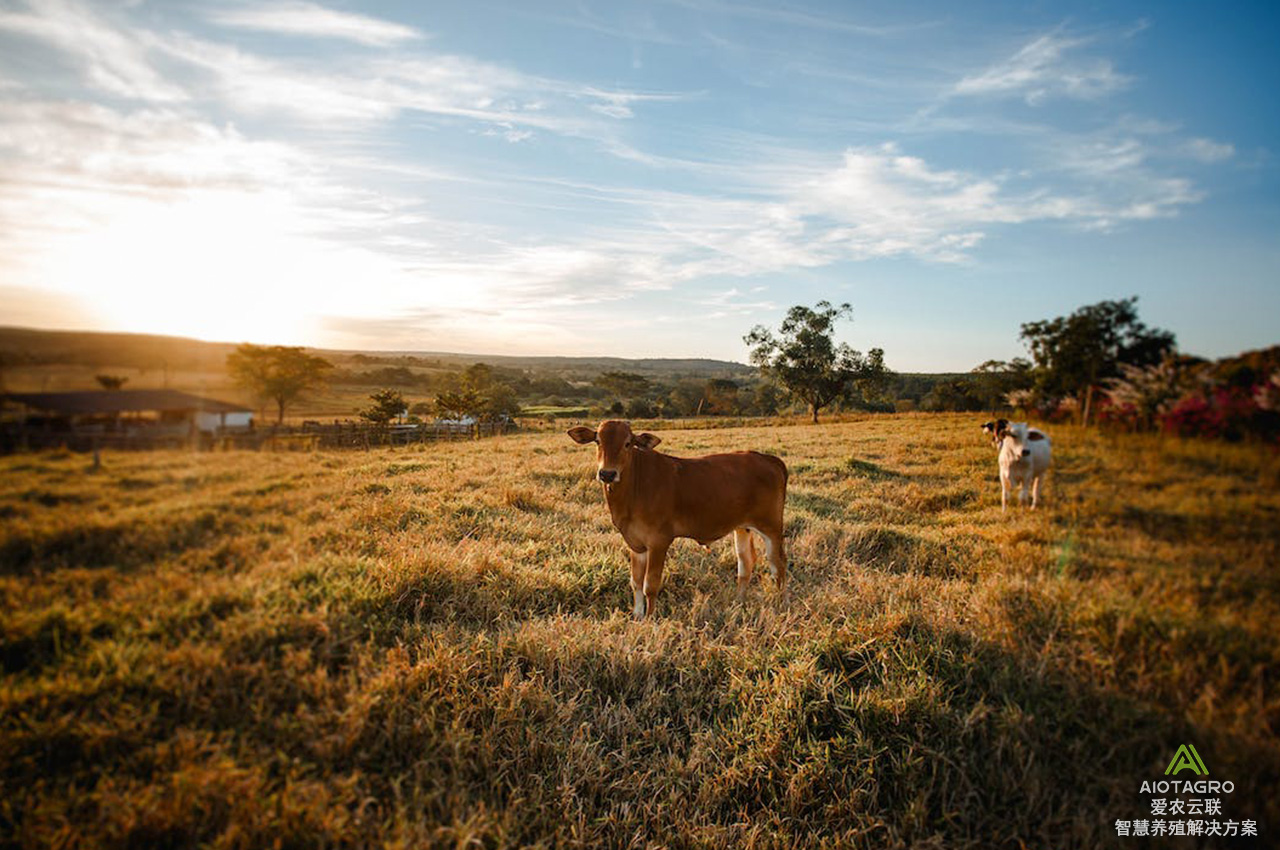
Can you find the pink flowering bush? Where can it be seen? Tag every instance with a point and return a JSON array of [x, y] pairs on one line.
[[1229, 413], [1194, 416]]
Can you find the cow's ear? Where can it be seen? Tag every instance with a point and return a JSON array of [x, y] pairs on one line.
[[989, 426], [582, 434], [646, 440], [1035, 435]]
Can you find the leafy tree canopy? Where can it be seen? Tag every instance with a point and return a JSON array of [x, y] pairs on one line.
[[1075, 353], [460, 404], [277, 372], [387, 405], [499, 403], [806, 360]]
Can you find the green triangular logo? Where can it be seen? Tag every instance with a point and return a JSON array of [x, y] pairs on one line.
[[1186, 757]]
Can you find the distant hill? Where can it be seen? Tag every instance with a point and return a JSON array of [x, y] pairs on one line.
[[587, 366], [32, 347]]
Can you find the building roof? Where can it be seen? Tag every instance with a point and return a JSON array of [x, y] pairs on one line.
[[124, 401]]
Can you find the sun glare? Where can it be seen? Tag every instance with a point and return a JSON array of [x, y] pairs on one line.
[[221, 265]]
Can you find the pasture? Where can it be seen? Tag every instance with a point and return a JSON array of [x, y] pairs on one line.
[[432, 646]]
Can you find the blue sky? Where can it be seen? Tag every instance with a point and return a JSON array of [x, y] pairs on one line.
[[638, 179]]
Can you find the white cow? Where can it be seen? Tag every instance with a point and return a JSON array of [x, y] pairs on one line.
[[1024, 459]]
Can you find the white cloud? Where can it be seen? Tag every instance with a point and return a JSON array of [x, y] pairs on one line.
[[1207, 150], [878, 202], [309, 19], [1046, 67]]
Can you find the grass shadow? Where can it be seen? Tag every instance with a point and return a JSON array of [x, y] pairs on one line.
[[872, 471]]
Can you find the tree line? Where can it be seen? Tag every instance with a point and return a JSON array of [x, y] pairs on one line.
[[1100, 362]]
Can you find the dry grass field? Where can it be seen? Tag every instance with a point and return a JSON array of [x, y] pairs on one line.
[[433, 646]]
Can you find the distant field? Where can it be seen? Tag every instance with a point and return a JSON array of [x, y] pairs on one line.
[[432, 646], [332, 402], [552, 410]]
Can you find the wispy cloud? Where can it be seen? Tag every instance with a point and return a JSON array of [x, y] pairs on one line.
[[879, 202], [794, 18], [365, 91], [309, 19], [734, 302], [1047, 67], [1207, 150], [617, 104], [109, 58], [167, 66]]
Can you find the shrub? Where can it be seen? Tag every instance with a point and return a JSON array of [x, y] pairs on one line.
[[1143, 393], [641, 408], [1215, 412], [1021, 400]]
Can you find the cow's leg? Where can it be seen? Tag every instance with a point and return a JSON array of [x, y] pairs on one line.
[[656, 557], [746, 557], [775, 550], [1004, 493], [639, 562], [1035, 491]]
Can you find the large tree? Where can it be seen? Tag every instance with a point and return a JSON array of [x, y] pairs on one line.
[[1074, 354], [277, 372], [807, 361]]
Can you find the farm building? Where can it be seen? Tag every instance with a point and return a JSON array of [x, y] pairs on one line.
[[159, 412]]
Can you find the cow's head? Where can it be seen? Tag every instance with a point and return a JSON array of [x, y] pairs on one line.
[[614, 446], [995, 429], [1015, 437]]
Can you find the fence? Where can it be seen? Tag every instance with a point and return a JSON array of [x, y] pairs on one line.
[[311, 435]]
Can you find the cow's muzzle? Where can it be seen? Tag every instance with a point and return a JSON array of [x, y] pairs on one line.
[[608, 476], [1026, 452]]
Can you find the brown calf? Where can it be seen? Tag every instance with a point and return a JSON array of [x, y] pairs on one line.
[[654, 498]]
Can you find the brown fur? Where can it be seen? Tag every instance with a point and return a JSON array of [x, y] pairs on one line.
[[657, 498]]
